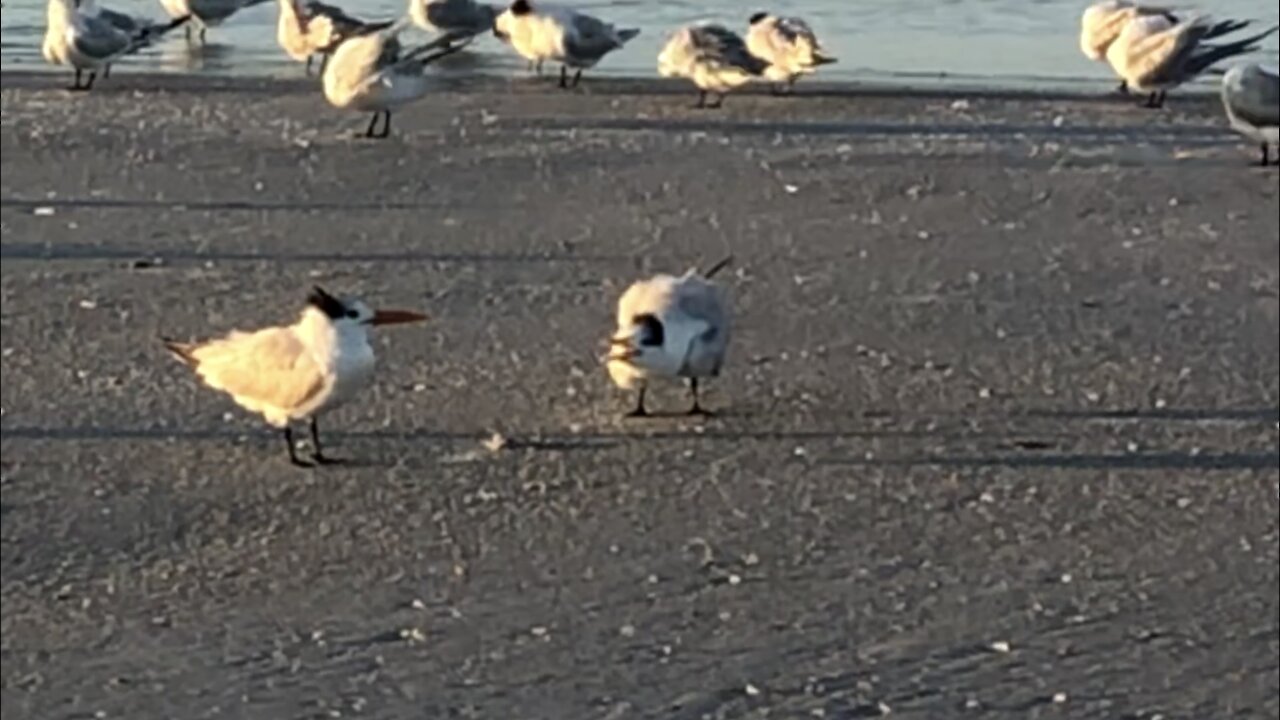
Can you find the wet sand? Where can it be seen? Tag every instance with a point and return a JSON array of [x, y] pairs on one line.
[[997, 437]]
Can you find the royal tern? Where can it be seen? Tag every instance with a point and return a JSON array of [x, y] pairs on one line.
[[90, 43], [121, 21], [1251, 96], [1103, 22], [368, 74], [713, 57], [1153, 58], [305, 30], [455, 19], [295, 372], [787, 44], [669, 327], [206, 13], [559, 34]]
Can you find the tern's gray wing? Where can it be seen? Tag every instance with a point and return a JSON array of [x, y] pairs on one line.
[[700, 301], [218, 10], [718, 44], [1160, 59], [1256, 100], [461, 15], [590, 38], [96, 38], [121, 21]]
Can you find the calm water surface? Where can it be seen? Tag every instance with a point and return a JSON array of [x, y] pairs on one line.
[[990, 42]]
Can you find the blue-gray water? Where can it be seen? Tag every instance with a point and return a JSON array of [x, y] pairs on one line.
[[987, 42]]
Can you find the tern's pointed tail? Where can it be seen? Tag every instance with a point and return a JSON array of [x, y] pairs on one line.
[[1226, 27], [451, 45], [711, 271], [1210, 54], [185, 352], [150, 33]]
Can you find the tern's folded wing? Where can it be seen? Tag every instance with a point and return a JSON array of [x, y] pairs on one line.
[[96, 38], [267, 368]]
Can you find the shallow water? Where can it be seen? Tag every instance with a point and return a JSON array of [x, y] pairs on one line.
[[996, 42]]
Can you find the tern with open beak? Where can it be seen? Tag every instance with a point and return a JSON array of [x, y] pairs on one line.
[[669, 327], [298, 371]]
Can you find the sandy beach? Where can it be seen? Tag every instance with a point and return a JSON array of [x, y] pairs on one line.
[[997, 436]]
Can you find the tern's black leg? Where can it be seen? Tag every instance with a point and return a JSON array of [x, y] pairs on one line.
[[293, 452], [203, 30], [1123, 88], [697, 408], [564, 76], [639, 412], [1266, 155], [308, 70], [537, 67], [92, 76], [316, 452], [577, 78], [106, 72], [702, 99], [75, 85], [386, 124], [324, 63], [373, 123]]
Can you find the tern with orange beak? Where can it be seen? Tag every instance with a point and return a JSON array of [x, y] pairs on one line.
[[298, 371], [669, 327]]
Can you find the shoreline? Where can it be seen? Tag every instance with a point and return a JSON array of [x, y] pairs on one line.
[[123, 79]]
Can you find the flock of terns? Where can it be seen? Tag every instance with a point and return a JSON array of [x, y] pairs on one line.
[[668, 326], [364, 67]]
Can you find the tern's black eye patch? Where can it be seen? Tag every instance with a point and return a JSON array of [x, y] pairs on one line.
[[757, 18], [326, 303], [651, 333]]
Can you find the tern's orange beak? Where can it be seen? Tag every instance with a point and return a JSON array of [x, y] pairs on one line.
[[396, 317]]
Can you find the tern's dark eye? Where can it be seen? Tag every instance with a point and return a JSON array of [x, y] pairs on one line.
[[353, 314], [651, 333]]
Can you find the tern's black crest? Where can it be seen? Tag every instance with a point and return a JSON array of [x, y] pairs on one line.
[[326, 303], [521, 7], [757, 17], [651, 333]]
